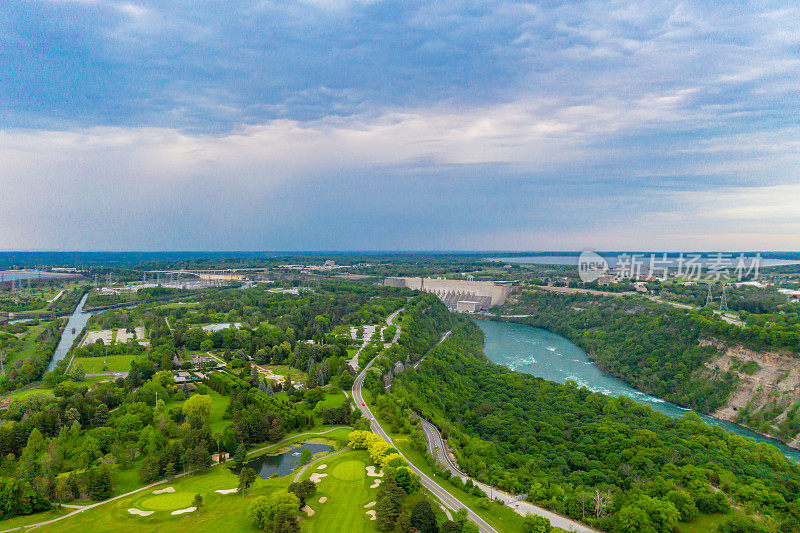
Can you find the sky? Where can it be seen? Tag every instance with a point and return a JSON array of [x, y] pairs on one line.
[[372, 125]]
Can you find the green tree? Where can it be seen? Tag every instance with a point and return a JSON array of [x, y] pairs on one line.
[[99, 484], [423, 519], [241, 454], [197, 501], [246, 478], [407, 479], [389, 505], [305, 456], [274, 511], [303, 490], [470, 527], [684, 503], [450, 527], [197, 410], [536, 524]]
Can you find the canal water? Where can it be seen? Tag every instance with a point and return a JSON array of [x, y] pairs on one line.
[[553, 357], [281, 464], [77, 321]]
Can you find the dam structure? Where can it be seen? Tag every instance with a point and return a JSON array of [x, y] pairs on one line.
[[458, 295]]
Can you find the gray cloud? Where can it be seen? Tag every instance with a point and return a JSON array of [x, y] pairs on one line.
[[346, 124]]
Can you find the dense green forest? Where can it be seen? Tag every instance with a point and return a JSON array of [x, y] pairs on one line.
[[80, 439], [27, 349], [609, 462], [424, 321]]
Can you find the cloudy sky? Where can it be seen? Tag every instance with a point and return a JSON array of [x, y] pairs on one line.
[[370, 125]]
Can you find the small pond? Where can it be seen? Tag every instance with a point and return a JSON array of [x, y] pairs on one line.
[[282, 464]]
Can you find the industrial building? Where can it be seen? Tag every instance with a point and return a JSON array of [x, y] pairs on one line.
[[458, 295]]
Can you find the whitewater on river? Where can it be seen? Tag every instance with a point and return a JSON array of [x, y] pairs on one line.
[[550, 356]]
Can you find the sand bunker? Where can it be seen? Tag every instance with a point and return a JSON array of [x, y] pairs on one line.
[[226, 491], [322, 467], [162, 491], [370, 504], [323, 499], [308, 510], [371, 472], [140, 513], [181, 511], [375, 484], [316, 477], [371, 515]]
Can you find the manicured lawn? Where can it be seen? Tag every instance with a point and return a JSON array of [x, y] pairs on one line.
[[220, 512], [18, 521], [166, 501], [347, 488], [218, 405], [114, 363]]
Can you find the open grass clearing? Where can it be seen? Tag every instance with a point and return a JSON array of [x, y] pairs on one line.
[[111, 363]]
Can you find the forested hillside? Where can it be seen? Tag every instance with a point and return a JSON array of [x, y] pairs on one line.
[[610, 462], [654, 347]]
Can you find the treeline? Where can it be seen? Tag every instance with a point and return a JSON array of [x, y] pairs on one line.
[[27, 350], [609, 462]]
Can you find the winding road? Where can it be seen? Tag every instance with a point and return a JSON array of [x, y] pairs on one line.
[[445, 497], [438, 450]]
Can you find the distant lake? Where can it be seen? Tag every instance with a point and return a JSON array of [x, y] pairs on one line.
[[643, 258], [8, 275]]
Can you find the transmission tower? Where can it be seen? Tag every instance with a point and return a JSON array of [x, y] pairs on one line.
[[709, 298], [723, 302]]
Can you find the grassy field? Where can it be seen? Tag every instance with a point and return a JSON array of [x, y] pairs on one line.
[[27, 393], [175, 305], [218, 405], [19, 521], [114, 363], [707, 522]]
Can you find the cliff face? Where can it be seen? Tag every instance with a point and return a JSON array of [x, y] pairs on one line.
[[767, 394]]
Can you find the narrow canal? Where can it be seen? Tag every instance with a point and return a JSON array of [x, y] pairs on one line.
[[77, 321]]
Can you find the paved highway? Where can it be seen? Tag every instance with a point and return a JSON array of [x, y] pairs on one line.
[[445, 497]]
